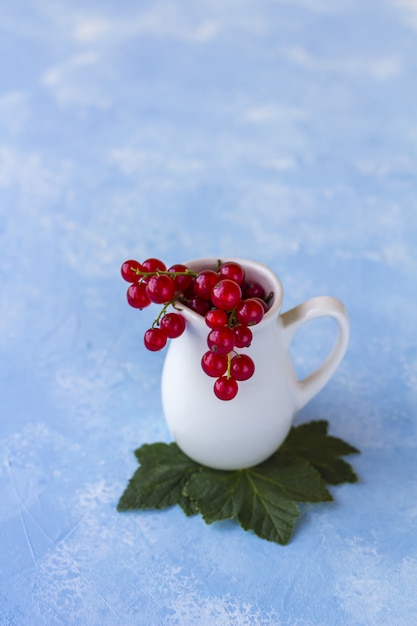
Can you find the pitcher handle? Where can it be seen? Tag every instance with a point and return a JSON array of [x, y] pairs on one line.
[[292, 320]]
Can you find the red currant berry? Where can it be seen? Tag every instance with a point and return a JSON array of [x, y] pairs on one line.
[[160, 289], [243, 336], [263, 303], [199, 305], [128, 271], [155, 339], [232, 270], [182, 281], [204, 283], [226, 294], [214, 364], [221, 340], [249, 312], [216, 318], [137, 296], [172, 324], [189, 292], [253, 290], [152, 265], [225, 388], [242, 367]]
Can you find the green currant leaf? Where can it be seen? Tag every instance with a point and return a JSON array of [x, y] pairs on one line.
[[160, 479], [295, 478], [262, 498], [270, 518], [224, 495], [311, 442], [276, 486], [218, 495]]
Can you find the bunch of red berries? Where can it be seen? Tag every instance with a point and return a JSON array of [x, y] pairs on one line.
[[229, 303]]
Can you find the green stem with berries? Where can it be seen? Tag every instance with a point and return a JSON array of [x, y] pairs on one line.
[[163, 273]]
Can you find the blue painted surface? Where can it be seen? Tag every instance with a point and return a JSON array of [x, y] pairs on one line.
[[284, 132]]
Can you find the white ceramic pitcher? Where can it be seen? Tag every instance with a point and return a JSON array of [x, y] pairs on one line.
[[245, 431]]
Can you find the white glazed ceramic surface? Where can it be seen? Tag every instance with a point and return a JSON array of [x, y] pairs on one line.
[[246, 430]]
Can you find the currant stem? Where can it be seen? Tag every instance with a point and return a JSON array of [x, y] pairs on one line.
[[138, 272], [269, 297], [229, 360], [161, 313], [232, 321]]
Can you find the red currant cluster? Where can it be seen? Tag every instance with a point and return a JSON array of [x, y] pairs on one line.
[[229, 303]]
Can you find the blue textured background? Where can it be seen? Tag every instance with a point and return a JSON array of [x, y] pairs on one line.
[[280, 131]]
